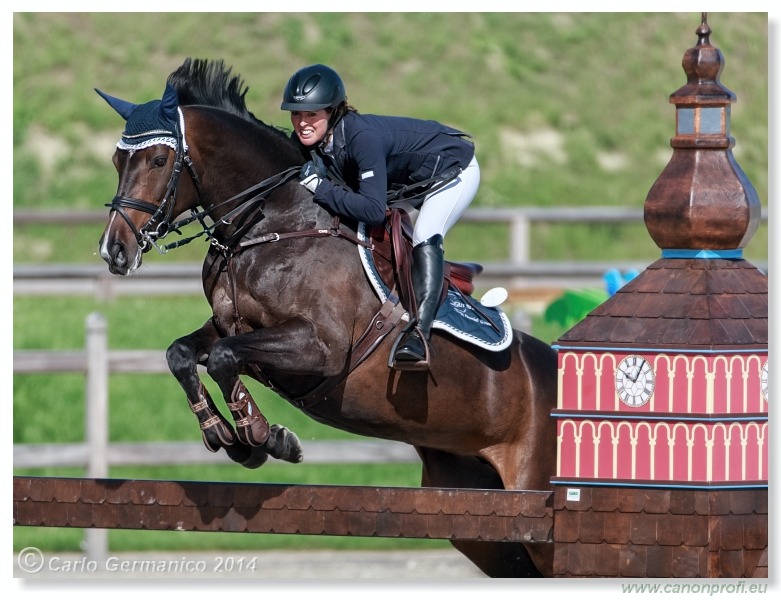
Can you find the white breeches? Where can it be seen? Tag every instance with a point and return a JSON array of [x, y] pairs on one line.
[[442, 208]]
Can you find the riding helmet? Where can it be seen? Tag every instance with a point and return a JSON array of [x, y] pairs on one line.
[[312, 88]]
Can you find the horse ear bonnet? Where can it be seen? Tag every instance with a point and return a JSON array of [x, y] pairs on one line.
[[147, 124]]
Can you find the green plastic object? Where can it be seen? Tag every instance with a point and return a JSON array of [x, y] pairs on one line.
[[573, 306]]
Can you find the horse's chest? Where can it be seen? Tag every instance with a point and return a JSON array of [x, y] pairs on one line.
[[236, 308]]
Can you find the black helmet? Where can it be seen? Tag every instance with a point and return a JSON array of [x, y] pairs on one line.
[[313, 88]]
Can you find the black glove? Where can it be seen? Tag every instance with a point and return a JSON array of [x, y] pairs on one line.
[[312, 173]]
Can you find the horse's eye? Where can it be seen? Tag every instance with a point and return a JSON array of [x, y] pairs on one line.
[[160, 161]]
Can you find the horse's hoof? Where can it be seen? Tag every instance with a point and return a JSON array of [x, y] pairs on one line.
[[283, 444], [257, 458], [247, 456]]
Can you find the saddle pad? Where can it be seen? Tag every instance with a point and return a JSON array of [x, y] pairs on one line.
[[461, 316]]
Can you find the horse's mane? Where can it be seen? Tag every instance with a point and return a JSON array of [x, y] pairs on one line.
[[210, 83]]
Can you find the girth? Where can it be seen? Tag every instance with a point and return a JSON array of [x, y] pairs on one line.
[[391, 246]]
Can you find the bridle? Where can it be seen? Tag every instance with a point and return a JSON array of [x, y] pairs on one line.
[[160, 224]]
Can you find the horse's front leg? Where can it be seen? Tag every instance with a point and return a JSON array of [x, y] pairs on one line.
[[183, 357], [291, 348]]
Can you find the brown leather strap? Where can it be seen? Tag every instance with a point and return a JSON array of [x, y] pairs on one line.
[[336, 230], [381, 325], [403, 259], [383, 322]]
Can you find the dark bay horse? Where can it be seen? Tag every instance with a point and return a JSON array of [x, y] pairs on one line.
[[287, 309]]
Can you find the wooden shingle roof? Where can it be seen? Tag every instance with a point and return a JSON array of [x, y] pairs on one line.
[[693, 303]]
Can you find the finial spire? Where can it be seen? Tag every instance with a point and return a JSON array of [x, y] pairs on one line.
[[702, 200]]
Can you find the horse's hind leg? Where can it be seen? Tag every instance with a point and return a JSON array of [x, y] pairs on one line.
[[216, 431], [495, 559]]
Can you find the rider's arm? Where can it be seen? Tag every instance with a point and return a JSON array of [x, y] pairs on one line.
[[369, 203]]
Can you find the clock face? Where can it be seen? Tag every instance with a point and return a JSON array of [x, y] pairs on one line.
[[635, 380], [763, 381]]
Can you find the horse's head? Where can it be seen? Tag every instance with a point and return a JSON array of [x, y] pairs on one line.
[[148, 159]]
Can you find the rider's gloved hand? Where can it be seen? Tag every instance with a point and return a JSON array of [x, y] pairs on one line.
[[312, 173]]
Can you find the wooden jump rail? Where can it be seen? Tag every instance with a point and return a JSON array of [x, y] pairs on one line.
[[431, 513]]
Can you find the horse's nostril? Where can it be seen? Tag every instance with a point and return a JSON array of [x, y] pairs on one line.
[[118, 255]]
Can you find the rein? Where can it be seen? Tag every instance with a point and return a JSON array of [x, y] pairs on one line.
[[148, 239], [160, 225], [263, 188]]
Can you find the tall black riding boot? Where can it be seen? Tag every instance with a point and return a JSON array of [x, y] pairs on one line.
[[428, 266]]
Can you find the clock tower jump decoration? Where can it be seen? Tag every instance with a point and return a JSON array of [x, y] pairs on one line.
[[662, 410]]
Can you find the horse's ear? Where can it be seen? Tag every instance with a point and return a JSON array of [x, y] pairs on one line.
[[123, 107], [169, 104]]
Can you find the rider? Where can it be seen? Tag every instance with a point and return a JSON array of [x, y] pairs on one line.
[[367, 154]]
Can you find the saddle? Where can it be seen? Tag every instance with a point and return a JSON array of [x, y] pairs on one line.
[[389, 250], [392, 253], [392, 241], [390, 245]]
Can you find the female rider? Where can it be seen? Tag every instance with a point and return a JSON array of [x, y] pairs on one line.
[[367, 154]]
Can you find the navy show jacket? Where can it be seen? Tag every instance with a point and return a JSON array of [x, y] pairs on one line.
[[372, 152]]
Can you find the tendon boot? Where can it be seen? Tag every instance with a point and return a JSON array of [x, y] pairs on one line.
[[428, 266]]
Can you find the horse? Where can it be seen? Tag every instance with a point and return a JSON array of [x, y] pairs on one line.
[[290, 302]]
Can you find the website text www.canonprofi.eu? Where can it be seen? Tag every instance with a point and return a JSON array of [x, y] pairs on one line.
[[705, 589]]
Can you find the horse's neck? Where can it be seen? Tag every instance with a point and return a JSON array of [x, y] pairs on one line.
[[286, 209], [242, 156]]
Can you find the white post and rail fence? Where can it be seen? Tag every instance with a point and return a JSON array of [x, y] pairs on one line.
[[97, 362], [518, 272], [96, 454]]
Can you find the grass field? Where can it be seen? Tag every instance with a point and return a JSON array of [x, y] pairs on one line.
[[565, 108]]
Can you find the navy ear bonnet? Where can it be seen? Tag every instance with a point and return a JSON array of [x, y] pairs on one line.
[[148, 124]]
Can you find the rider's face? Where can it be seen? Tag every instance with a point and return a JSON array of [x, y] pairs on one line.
[[310, 126]]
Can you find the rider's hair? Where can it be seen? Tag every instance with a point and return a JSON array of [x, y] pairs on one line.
[[337, 113]]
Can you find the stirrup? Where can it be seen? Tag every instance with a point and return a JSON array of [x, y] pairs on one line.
[[409, 365]]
